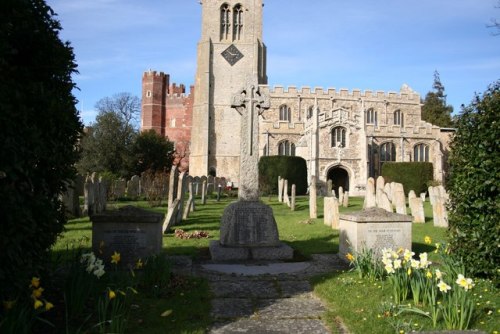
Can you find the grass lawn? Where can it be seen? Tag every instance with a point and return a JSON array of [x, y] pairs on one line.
[[361, 304]]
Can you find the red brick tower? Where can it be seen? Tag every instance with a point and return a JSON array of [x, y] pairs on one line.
[[154, 93]]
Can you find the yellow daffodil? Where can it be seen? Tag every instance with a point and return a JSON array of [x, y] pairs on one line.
[[115, 258], [439, 274], [35, 282], [408, 271], [38, 303], [427, 240], [48, 306], [397, 264], [443, 287], [428, 274], [350, 257], [37, 293], [111, 294], [139, 264]]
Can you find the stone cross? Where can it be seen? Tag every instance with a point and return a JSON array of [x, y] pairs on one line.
[[250, 103]]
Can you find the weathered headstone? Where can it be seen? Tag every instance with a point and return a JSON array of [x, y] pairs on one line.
[[286, 198], [172, 213], [248, 228], [210, 184], [331, 212], [399, 198], [280, 189], [196, 185], [88, 193], [181, 192], [370, 201], [345, 202], [385, 203], [133, 187], [204, 192], [313, 210], [103, 194], [341, 195], [172, 186], [374, 229], [422, 196], [432, 194], [292, 203], [380, 184], [388, 191], [134, 233], [417, 209], [439, 212], [71, 201], [329, 188], [190, 200], [411, 195]]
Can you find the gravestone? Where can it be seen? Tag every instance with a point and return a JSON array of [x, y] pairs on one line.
[[119, 188], [190, 200], [422, 196], [286, 198], [280, 189], [103, 194], [248, 229], [210, 184], [374, 229], [411, 195], [385, 203], [172, 186], [71, 200], [292, 204], [331, 212], [133, 187], [196, 185], [341, 195], [171, 217], [380, 184], [432, 194], [133, 232], [329, 188], [417, 210], [313, 210], [388, 191], [370, 201], [181, 192], [398, 198], [345, 202], [204, 192], [439, 212], [88, 193]]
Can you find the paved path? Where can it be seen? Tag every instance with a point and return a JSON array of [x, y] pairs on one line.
[[267, 298]]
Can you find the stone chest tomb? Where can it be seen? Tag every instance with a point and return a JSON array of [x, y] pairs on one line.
[[374, 229], [134, 233]]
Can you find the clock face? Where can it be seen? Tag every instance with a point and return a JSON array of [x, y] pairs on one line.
[[232, 54]]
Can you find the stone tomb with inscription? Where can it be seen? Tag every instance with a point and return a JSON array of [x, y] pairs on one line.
[[374, 229], [134, 233]]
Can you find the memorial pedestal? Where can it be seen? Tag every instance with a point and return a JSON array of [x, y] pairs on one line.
[[248, 232]]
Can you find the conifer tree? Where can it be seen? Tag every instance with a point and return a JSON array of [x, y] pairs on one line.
[[435, 110]]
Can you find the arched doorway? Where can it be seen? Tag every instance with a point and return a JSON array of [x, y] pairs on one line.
[[339, 177]]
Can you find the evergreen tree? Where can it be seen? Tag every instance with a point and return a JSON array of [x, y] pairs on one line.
[[40, 130], [474, 185], [435, 110], [152, 152]]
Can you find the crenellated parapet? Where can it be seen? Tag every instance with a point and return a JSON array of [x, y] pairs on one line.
[[179, 91], [405, 95]]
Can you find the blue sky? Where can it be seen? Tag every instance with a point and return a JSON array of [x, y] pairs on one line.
[[363, 44]]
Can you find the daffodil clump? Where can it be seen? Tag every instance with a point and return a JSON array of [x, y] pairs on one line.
[[36, 295], [444, 292], [93, 265]]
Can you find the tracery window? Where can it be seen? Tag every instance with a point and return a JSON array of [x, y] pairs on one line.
[[237, 22], [371, 116], [285, 113], [421, 153], [286, 148], [225, 21], [387, 153], [398, 118], [338, 136]]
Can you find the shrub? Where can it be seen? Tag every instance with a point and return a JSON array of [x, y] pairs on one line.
[[294, 169], [40, 131], [474, 185], [414, 176]]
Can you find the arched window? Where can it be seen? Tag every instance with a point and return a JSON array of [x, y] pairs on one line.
[[225, 21], [371, 116], [387, 153], [310, 112], [237, 22], [421, 153], [285, 113], [264, 151], [398, 118], [286, 148], [338, 136]]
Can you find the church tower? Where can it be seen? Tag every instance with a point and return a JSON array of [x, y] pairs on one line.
[[230, 54]]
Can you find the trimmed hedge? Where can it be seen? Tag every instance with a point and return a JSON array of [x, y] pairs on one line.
[[413, 175], [294, 169]]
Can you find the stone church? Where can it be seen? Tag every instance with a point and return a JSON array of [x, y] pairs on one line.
[[344, 135]]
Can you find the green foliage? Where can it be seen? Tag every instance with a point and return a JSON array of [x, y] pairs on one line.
[[435, 110], [414, 176], [107, 144], [474, 184], [152, 152], [40, 130], [294, 169]]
